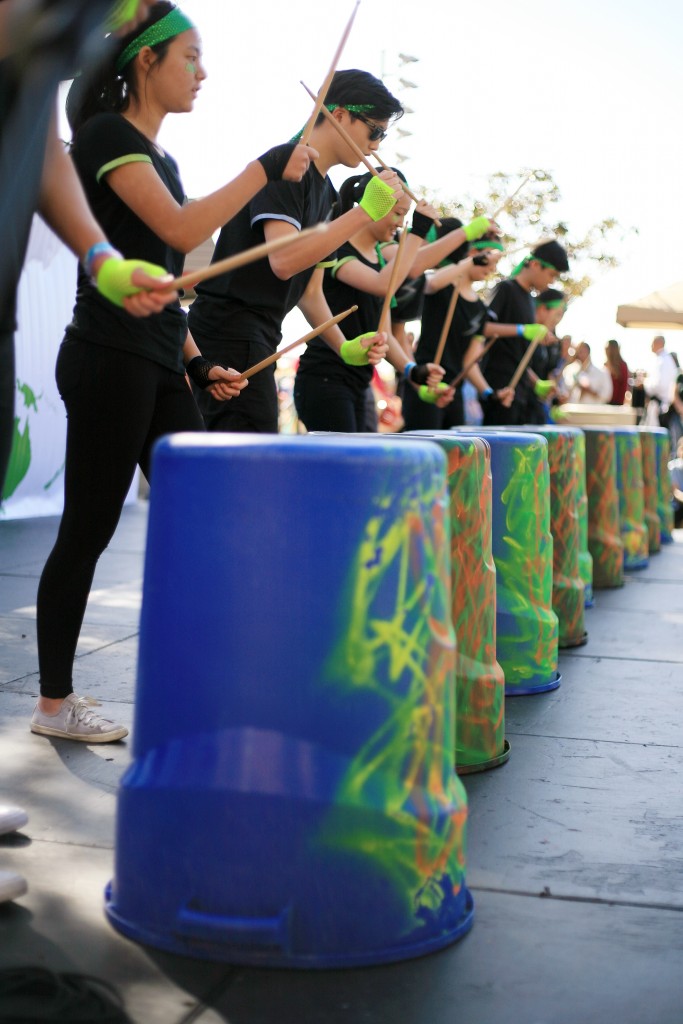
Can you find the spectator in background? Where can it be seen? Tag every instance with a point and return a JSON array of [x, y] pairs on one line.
[[618, 371], [587, 383], [660, 384]]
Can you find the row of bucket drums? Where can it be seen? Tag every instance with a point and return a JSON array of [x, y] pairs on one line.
[[294, 803]]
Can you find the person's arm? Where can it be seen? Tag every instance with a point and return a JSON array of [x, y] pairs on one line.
[[314, 307], [183, 228], [379, 198], [433, 253], [221, 383], [375, 282], [64, 207]]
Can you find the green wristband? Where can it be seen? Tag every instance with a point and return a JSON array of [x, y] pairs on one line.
[[121, 12], [378, 199], [542, 388], [353, 353], [532, 332], [430, 395], [114, 278]]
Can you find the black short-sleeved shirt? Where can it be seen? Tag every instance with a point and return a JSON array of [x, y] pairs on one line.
[[512, 304], [105, 142], [468, 320], [250, 303], [318, 358]]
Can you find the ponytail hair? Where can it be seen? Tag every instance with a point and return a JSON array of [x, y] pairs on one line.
[[106, 90]]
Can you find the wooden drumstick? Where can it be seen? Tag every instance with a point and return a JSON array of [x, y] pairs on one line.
[[288, 348], [322, 93], [392, 283]]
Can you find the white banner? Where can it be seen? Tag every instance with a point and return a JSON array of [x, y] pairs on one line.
[[35, 478]]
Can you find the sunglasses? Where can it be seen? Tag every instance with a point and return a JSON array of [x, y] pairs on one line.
[[377, 134]]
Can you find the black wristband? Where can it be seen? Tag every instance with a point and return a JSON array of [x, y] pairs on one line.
[[276, 159], [198, 371], [421, 224], [419, 373]]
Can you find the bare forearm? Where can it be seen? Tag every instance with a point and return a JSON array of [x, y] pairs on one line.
[[314, 248], [431, 255], [62, 202]]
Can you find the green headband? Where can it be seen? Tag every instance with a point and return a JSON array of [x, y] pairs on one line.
[[481, 244], [171, 25], [527, 260], [355, 108], [554, 304]]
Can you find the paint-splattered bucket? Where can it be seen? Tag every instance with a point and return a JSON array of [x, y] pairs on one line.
[[292, 800], [480, 683], [604, 535], [648, 445], [631, 500], [526, 625]]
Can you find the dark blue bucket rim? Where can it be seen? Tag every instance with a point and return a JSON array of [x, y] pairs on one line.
[[519, 691], [231, 955]]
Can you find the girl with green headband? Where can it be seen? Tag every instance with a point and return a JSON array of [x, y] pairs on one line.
[[123, 381]]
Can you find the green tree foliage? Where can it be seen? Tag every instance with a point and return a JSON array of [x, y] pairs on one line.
[[531, 216]]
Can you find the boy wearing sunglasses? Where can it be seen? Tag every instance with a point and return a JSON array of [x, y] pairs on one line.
[[238, 316]]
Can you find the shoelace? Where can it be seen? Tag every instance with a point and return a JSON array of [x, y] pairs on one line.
[[38, 995], [82, 711]]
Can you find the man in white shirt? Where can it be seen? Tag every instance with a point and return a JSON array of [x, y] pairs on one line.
[[586, 383], [660, 384]]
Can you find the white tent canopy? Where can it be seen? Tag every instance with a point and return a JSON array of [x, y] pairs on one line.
[[659, 310]]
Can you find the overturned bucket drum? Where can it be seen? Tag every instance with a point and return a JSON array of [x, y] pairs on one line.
[[604, 534], [631, 498], [526, 625], [292, 800], [480, 683]]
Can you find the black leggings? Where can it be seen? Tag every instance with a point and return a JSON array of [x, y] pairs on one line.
[[325, 403], [117, 406]]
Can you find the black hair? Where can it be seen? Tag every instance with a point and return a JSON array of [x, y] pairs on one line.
[[550, 295], [449, 224], [105, 89], [552, 252], [360, 87]]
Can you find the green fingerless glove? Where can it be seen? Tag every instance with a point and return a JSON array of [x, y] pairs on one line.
[[378, 199], [533, 331], [558, 414], [114, 278], [430, 395], [476, 228], [542, 388], [353, 353], [121, 12]]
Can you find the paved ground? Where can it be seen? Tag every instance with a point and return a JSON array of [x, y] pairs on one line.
[[574, 849]]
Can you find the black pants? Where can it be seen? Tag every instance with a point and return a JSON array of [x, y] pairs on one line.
[[419, 415], [325, 403], [256, 410], [117, 406], [7, 388]]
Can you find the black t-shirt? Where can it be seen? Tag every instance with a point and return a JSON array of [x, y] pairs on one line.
[[410, 299], [512, 304], [104, 142], [318, 358], [468, 320], [250, 303]]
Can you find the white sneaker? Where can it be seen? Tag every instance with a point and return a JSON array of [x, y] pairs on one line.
[[11, 818], [76, 720], [11, 886]]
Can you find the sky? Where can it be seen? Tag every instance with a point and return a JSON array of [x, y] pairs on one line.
[[589, 91]]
